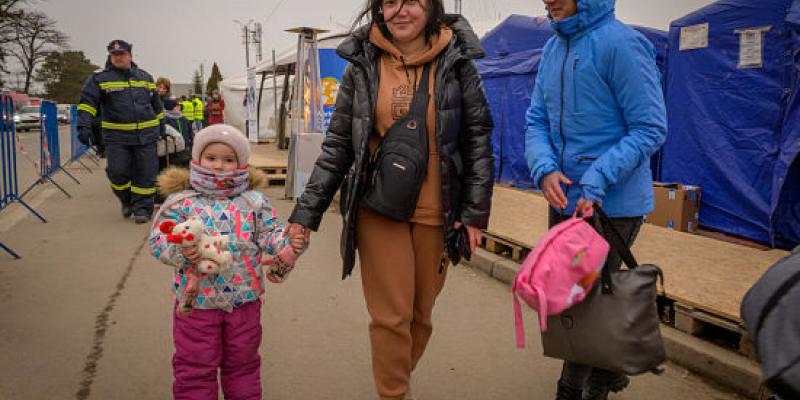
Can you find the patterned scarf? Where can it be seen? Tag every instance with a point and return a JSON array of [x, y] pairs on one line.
[[219, 184]]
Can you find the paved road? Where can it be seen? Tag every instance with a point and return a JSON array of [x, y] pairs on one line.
[[86, 315]]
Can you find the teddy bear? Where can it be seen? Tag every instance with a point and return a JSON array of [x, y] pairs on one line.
[[214, 255]]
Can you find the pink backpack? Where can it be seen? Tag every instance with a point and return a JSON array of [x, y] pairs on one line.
[[560, 271]]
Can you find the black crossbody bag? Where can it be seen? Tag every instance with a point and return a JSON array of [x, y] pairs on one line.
[[400, 162]]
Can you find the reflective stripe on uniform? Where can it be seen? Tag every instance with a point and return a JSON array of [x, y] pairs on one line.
[[121, 187], [132, 126], [127, 84], [160, 116], [143, 191], [85, 107], [149, 124]]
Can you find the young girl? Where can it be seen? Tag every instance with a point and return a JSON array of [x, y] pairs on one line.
[[223, 332]]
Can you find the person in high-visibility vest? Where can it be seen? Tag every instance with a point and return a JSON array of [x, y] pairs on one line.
[[198, 113], [125, 99], [187, 106]]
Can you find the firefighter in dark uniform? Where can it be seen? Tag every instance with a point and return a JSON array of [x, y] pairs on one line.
[[132, 120]]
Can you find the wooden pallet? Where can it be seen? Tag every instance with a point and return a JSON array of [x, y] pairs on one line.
[[276, 180], [505, 247], [274, 170], [703, 324]]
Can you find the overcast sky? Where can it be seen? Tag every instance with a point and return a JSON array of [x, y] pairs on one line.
[[172, 38]]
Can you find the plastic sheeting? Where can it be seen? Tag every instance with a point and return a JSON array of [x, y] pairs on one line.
[[513, 52], [734, 118]]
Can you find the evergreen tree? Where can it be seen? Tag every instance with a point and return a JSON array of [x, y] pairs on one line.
[[214, 79], [63, 75]]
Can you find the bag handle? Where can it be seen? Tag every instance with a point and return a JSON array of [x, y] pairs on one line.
[[615, 238], [617, 244]]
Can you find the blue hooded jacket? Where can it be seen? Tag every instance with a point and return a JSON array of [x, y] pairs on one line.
[[597, 112]]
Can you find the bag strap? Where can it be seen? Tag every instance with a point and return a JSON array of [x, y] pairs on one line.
[[618, 244], [419, 103], [615, 238], [421, 91]]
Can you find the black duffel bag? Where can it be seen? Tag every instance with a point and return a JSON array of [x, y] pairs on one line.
[[771, 311]]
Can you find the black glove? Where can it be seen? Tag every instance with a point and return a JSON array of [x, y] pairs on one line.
[[85, 137]]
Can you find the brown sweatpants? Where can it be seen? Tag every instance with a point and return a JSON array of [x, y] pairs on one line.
[[400, 275]]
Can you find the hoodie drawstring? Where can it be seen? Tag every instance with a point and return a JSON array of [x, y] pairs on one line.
[[408, 78]]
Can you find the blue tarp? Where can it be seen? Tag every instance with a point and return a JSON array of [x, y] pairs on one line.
[[513, 51], [735, 131]]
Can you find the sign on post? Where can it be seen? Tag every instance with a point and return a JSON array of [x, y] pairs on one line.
[[251, 113]]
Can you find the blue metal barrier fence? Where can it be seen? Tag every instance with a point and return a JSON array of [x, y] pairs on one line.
[[49, 149], [9, 191], [77, 149]]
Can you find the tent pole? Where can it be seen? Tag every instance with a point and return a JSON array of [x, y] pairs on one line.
[[258, 106], [275, 94], [282, 142]]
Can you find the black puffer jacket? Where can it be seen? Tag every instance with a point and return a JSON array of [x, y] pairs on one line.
[[463, 136]]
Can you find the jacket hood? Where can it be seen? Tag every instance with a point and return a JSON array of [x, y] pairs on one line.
[[437, 44], [590, 14], [465, 39], [176, 179]]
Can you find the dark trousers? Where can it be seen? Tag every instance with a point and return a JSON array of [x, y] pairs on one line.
[[575, 375], [132, 171]]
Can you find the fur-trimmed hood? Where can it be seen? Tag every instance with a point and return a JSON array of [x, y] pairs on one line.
[[176, 179]]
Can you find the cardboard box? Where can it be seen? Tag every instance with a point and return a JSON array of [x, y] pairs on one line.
[[676, 206]]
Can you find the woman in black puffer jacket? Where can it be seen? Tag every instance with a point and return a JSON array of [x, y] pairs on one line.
[[403, 262]]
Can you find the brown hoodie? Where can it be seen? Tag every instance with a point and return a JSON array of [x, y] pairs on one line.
[[398, 78]]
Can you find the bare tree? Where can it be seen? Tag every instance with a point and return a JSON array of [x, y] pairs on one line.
[[10, 13], [36, 37]]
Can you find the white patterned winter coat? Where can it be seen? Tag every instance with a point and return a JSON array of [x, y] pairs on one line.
[[248, 219]]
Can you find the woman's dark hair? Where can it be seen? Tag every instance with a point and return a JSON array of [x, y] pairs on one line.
[[372, 13]]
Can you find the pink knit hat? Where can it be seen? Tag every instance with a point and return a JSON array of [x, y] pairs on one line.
[[221, 133]]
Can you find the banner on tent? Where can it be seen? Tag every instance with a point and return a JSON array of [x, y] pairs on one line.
[[331, 68]]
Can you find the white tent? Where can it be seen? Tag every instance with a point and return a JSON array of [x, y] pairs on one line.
[[234, 89], [233, 92]]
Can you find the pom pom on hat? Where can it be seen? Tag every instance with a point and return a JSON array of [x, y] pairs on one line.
[[221, 133]]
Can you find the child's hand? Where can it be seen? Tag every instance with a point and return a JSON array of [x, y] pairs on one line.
[[191, 253]]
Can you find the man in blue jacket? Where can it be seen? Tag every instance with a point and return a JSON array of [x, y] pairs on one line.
[[597, 115], [132, 120]]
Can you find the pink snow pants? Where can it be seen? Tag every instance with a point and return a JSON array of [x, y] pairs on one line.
[[211, 340]]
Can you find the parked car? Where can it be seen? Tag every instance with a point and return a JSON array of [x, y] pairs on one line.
[[64, 114], [27, 118]]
